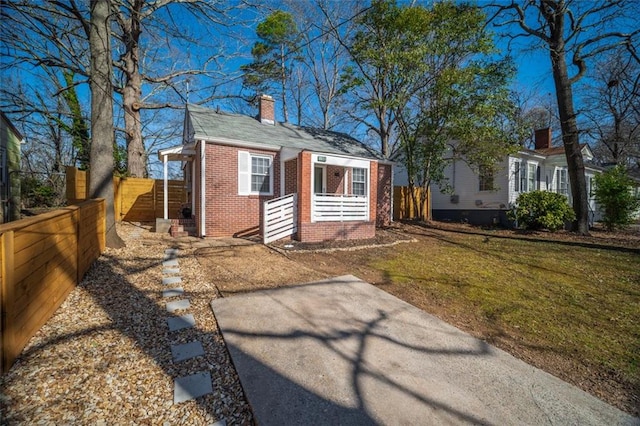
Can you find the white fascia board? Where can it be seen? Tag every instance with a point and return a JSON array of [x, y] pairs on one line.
[[239, 143], [341, 160], [521, 154]]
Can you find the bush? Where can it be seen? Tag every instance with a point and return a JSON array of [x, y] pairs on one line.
[[613, 195], [542, 209], [36, 193]]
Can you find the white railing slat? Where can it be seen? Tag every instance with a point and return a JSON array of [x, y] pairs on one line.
[[336, 207], [279, 218]]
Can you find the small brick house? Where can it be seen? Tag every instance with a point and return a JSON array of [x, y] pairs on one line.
[[254, 176]]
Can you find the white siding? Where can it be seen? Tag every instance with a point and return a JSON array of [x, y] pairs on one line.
[[465, 184]]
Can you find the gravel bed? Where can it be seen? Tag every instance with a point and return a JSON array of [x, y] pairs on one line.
[[105, 358]]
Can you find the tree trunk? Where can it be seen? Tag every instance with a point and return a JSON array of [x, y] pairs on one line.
[[383, 130], [132, 93], [283, 76], [570, 137], [101, 181], [131, 98]]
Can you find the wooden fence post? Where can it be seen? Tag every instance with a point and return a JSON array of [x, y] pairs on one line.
[[6, 296]]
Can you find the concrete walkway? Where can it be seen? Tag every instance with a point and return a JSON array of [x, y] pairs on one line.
[[344, 352]]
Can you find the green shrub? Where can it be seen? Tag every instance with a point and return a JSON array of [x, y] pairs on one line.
[[613, 195], [542, 210]]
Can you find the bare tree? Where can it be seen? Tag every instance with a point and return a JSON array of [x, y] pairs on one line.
[[612, 109], [323, 55], [135, 17], [101, 181], [579, 30]]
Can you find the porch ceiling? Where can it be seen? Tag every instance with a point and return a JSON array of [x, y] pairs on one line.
[[178, 153]]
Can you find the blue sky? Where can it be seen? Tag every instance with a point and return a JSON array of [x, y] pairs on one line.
[[533, 66]]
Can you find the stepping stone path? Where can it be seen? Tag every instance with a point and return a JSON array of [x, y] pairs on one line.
[[199, 384]]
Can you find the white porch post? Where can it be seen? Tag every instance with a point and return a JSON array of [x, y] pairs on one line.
[[166, 188], [193, 186], [203, 190]]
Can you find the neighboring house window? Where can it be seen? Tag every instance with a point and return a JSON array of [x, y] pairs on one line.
[[255, 174], [486, 179], [359, 182], [521, 176], [561, 182], [531, 177]]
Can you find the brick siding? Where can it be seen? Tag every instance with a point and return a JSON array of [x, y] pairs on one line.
[[291, 176], [335, 179], [373, 190], [328, 231], [230, 214]]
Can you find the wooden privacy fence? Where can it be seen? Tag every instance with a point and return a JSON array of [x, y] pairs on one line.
[[403, 207], [135, 199], [41, 260]]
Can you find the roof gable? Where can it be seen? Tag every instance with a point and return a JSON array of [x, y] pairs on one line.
[[207, 124]]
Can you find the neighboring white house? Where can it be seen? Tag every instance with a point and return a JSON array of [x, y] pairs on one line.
[[483, 199]]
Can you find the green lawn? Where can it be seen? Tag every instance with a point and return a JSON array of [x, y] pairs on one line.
[[569, 300]]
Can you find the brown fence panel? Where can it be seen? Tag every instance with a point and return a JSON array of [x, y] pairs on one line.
[[92, 230], [403, 207], [177, 197], [42, 258], [77, 185], [135, 199]]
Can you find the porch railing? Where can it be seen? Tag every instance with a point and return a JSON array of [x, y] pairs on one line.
[[280, 218], [339, 208]]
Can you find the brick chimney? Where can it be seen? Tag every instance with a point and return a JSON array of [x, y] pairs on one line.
[[266, 112], [543, 138]]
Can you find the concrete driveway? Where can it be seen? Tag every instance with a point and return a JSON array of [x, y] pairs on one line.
[[342, 351]]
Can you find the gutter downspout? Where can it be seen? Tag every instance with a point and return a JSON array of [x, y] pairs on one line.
[[203, 221]]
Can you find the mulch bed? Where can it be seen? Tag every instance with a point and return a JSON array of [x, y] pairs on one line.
[[105, 358]]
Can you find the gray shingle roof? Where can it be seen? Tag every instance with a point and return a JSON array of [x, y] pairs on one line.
[[209, 124]]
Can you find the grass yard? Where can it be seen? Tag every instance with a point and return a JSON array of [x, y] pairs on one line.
[[566, 307]]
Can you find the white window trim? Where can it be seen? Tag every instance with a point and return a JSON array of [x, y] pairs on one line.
[[480, 178], [244, 173], [366, 186], [559, 172], [535, 175]]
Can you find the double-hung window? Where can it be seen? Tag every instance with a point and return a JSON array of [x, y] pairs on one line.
[[255, 174], [260, 174], [561, 182], [359, 181], [486, 179], [531, 176], [516, 176]]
